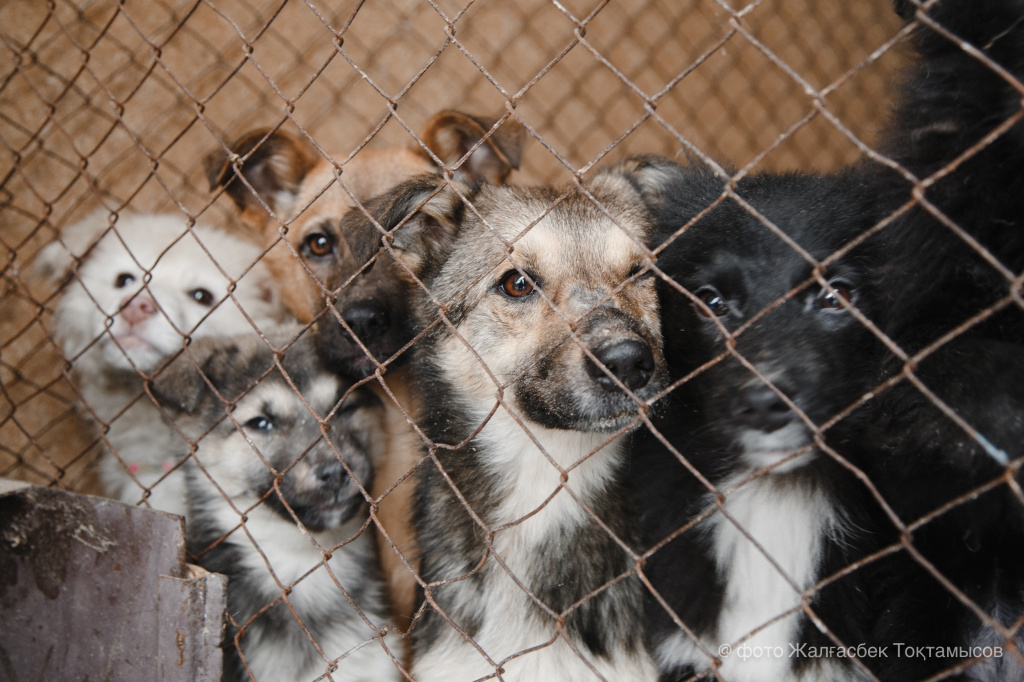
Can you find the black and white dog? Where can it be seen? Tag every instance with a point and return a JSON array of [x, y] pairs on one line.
[[761, 338], [276, 495], [548, 349], [772, 350]]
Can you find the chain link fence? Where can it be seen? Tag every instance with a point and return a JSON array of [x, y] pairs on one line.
[[113, 107]]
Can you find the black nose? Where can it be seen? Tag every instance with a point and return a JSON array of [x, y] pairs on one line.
[[759, 407], [330, 474], [631, 361], [368, 319]]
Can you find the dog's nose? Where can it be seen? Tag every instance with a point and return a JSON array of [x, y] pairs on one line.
[[330, 474], [759, 407], [368, 319], [631, 361], [137, 309]]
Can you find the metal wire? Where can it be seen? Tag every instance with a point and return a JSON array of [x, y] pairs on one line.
[[105, 104]]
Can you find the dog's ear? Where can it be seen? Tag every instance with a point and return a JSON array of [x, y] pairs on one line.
[[179, 385], [904, 9], [184, 383], [55, 261], [273, 164], [451, 135], [653, 176], [426, 212]]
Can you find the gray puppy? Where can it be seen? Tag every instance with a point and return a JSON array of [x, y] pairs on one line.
[[276, 501]]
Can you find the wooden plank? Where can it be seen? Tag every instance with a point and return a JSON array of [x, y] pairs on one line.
[[90, 588]]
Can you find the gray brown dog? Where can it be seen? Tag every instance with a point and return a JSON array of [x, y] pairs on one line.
[[282, 453], [548, 350]]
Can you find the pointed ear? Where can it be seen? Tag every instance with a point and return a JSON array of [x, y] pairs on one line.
[[452, 134], [904, 9], [272, 163], [653, 176], [425, 211]]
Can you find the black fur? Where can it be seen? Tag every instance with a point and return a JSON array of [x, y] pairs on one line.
[[949, 102], [936, 281], [918, 280], [819, 357]]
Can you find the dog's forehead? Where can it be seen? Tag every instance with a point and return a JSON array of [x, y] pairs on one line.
[[369, 173], [565, 245], [320, 197], [313, 385], [570, 234], [374, 171], [731, 239], [274, 394], [138, 243]]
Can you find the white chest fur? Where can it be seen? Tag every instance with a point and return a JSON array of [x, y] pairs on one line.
[[767, 546], [287, 557], [535, 507], [145, 447]]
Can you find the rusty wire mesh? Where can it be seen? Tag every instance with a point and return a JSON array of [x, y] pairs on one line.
[[111, 105]]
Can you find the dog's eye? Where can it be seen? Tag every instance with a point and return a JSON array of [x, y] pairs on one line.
[[515, 284], [838, 299], [319, 244], [714, 302], [201, 296], [260, 423], [123, 280]]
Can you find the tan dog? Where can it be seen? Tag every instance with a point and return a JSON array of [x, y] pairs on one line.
[[294, 199]]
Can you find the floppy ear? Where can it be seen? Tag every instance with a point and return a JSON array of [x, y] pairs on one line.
[[431, 211], [183, 384], [180, 385], [53, 263], [452, 134], [272, 162], [229, 364]]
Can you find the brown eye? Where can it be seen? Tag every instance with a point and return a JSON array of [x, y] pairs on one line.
[[201, 296], [123, 280], [714, 301], [515, 284], [837, 299], [319, 244]]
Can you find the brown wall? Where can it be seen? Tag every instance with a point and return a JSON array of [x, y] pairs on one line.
[[116, 106]]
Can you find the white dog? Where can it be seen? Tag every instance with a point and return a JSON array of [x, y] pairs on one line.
[[138, 291]]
